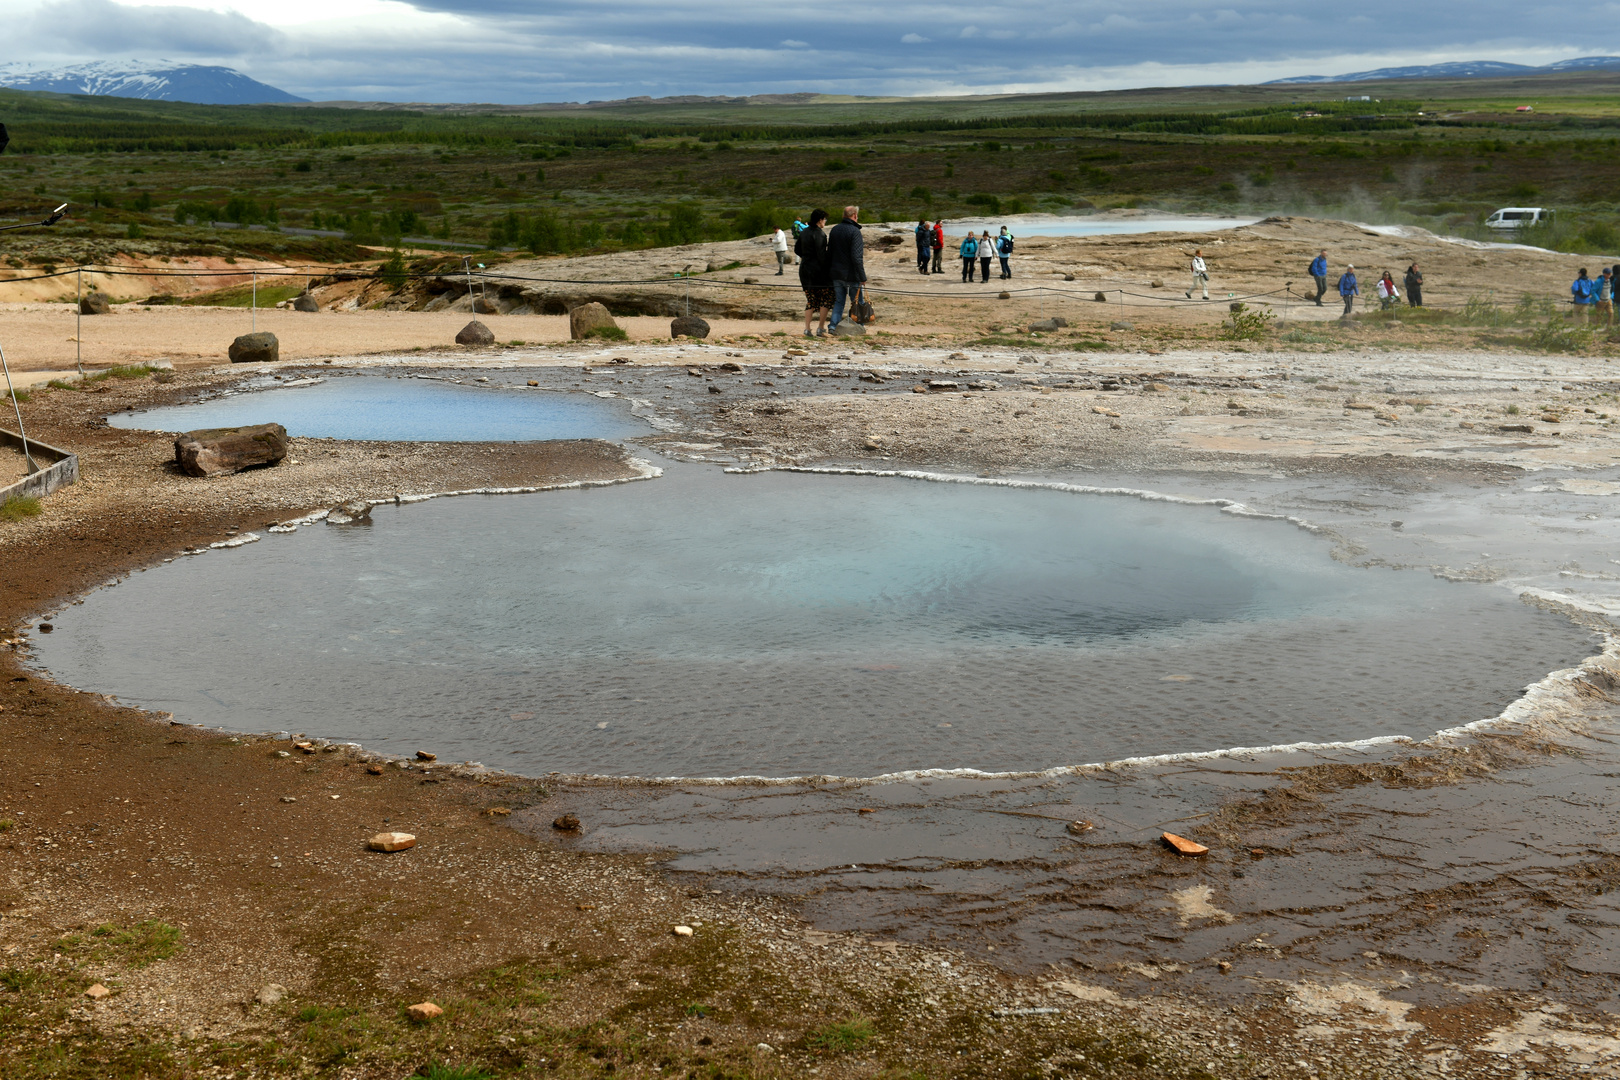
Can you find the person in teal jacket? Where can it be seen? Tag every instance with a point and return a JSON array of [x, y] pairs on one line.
[[969, 251], [1348, 290]]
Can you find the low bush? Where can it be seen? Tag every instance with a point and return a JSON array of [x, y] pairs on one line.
[[19, 507]]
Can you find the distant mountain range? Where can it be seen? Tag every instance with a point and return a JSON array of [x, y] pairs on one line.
[[156, 80], [1473, 69]]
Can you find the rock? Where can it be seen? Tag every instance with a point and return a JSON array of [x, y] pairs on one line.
[[96, 992], [1184, 846], [391, 841], [1079, 827], [423, 755], [1104, 411], [260, 348], [566, 823], [688, 326], [1523, 428], [374, 769], [1121, 324], [483, 306], [731, 365], [714, 389], [289, 798], [1068, 277], [683, 931], [1043, 326], [1004, 295], [919, 389], [475, 333], [765, 1048], [350, 513], [1157, 283], [589, 318], [498, 811], [306, 302], [423, 1011], [850, 328], [270, 994], [46, 628], [217, 451], [1100, 297], [94, 303]]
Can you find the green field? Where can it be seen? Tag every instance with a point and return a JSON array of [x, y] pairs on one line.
[[151, 178]]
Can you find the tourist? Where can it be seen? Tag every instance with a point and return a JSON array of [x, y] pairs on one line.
[[1004, 250], [1200, 274], [987, 251], [939, 247], [1581, 290], [779, 245], [846, 258], [815, 276], [925, 246], [798, 227], [1414, 286], [1319, 273], [1603, 292], [1387, 293], [969, 251], [1348, 289]]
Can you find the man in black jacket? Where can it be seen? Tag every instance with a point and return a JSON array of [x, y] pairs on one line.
[[846, 257]]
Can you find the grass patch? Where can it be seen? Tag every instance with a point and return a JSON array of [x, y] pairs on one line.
[[842, 1037], [58, 384], [1090, 345], [1246, 324], [124, 371], [136, 947], [435, 1071], [242, 296], [1308, 337], [19, 507], [608, 333], [20, 395]]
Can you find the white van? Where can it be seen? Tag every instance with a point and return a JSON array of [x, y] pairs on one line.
[[1518, 217]]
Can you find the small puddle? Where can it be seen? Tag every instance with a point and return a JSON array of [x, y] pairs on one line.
[[402, 410]]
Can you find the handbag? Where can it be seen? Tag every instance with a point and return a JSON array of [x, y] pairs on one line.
[[863, 309]]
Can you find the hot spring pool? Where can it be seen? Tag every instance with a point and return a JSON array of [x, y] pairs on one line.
[[706, 624], [402, 410]]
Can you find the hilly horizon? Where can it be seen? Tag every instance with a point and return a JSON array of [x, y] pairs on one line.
[[157, 80], [1465, 69]]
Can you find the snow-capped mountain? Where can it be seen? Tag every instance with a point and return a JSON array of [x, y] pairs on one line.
[[155, 80], [1473, 69]]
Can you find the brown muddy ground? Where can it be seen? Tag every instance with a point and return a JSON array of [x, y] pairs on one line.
[[556, 959]]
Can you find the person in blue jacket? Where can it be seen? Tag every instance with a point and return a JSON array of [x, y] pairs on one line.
[[1319, 272], [1348, 289], [1581, 290], [969, 251]]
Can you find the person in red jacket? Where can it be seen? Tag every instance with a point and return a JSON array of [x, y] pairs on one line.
[[939, 247]]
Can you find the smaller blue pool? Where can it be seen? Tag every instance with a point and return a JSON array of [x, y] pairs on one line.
[[403, 410]]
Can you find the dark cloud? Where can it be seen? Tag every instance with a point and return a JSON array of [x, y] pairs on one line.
[[101, 29]]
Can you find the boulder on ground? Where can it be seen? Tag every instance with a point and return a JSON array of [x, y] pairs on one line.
[[485, 306], [216, 451], [688, 326], [588, 319], [93, 303], [306, 302], [260, 348], [350, 513], [849, 328], [1043, 326], [423, 1011], [391, 841], [475, 333]]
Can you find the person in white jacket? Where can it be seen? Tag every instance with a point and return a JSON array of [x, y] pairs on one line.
[[1200, 274], [779, 245]]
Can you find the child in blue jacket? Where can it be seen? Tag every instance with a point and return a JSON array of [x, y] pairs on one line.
[[1348, 289]]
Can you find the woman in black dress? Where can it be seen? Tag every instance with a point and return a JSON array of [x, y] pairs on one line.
[[815, 276]]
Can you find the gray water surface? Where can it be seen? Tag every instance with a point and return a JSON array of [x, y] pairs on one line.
[[779, 624], [402, 409]]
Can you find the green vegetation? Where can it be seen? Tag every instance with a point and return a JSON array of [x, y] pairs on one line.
[[841, 1037], [608, 333], [152, 178], [19, 507], [1246, 324], [435, 1071], [135, 947]]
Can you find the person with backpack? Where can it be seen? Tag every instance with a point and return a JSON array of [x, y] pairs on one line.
[[987, 251], [939, 247], [1004, 250], [969, 251], [1319, 273], [925, 246], [815, 274], [1348, 289], [1581, 290], [1200, 274], [1414, 286]]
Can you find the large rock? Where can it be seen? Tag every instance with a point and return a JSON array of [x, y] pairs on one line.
[[215, 451], [93, 303], [587, 319], [485, 306], [260, 348], [849, 328], [306, 302], [688, 326], [475, 333]]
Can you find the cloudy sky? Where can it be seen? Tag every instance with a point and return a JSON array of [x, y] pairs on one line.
[[577, 50]]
